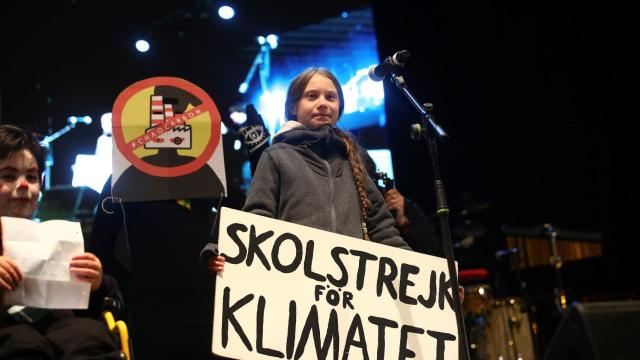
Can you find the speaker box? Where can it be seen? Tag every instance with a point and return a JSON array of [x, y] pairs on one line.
[[595, 331]]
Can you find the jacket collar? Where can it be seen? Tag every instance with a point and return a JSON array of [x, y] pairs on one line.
[[324, 143], [322, 140]]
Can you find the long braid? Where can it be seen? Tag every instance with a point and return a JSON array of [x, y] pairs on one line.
[[357, 169]]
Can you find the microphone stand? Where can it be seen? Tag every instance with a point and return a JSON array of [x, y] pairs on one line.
[[528, 307], [46, 143], [421, 132]]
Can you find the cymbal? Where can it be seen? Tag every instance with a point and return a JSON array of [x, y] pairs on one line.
[[545, 230], [465, 205], [468, 228]]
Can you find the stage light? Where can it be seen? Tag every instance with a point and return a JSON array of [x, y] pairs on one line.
[[105, 118], [238, 117], [243, 88], [361, 93], [80, 119], [273, 41], [94, 170], [382, 159], [344, 14], [261, 40], [223, 129], [142, 46], [270, 107], [105, 123], [226, 12], [236, 145]]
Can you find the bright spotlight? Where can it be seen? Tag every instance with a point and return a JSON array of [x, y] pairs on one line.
[[73, 120], [106, 117], [261, 40], [243, 88], [105, 123], [238, 117], [273, 41], [142, 46], [226, 12]]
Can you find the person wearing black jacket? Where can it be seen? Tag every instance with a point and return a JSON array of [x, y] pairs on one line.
[[414, 225]]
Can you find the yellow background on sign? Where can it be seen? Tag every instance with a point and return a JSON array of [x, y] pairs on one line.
[[136, 116]]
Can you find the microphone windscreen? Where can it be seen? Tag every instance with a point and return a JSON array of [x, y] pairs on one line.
[[374, 74]]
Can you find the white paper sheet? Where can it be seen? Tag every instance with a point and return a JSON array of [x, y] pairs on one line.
[[43, 252]]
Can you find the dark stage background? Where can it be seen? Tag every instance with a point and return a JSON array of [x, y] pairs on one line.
[[539, 98]]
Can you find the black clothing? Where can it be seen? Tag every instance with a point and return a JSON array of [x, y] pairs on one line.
[[78, 334], [74, 338], [136, 185], [169, 294], [421, 235]]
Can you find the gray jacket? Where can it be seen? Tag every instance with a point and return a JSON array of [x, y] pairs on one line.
[[305, 178]]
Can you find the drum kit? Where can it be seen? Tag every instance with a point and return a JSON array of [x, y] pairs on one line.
[[506, 328], [497, 328]]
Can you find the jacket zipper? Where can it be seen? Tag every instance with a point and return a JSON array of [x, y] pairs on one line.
[[332, 197]]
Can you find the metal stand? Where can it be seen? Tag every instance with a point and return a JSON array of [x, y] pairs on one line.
[[421, 132], [555, 260], [262, 62], [46, 143], [529, 308]]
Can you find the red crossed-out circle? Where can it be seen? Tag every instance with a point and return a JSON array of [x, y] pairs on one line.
[[208, 105]]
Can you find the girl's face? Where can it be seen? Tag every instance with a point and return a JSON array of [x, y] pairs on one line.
[[19, 185], [319, 104]]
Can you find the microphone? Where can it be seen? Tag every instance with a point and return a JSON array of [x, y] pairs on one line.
[[505, 254], [397, 60]]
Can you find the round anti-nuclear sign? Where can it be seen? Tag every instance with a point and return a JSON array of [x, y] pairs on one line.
[[166, 115]]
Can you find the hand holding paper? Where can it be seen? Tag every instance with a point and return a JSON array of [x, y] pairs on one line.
[[87, 267], [43, 257], [10, 274]]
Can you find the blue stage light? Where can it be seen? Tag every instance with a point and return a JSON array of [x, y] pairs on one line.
[[273, 41]]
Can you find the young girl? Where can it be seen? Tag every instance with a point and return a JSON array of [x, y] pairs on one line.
[[313, 175]]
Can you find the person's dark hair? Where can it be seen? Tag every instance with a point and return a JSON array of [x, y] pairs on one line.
[[179, 98], [299, 83], [14, 139]]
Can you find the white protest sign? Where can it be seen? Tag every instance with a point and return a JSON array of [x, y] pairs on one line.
[[290, 291], [43, 252]]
